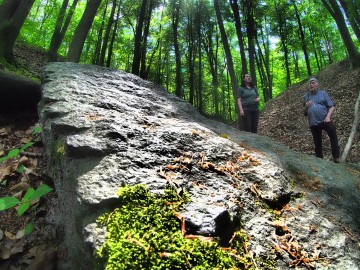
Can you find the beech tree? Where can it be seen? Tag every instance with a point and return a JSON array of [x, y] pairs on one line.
[[334, 9], [12, 17], [61, 27], [82, 31]]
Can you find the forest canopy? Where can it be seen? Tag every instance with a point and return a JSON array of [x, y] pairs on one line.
[[196, 49]]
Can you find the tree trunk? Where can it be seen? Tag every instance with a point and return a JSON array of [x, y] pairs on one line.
[[335, 11], [283, 39], [225, 42], [105, 41], [143, 70], [82, 31], [303, 41], [59, 34], [200, 72], [191, 56], [108, 62], [15, 15], [98, 45], [250, 32], [353, 131], [352, 12], [138, 38], [236, 13], [213, 65], [52, 54], [175, 25]]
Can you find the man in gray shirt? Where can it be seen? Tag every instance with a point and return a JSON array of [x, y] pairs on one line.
[[318, 107]]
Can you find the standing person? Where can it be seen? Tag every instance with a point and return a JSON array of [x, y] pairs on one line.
[[318, 107], [248, 102]]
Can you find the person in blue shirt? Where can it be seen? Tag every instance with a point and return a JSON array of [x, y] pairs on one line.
[[319, 107], [248, 102]]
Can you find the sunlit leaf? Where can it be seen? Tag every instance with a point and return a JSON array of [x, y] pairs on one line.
[[28, 195], [8, 202], [36, 130], [27, 145], [41, 191], [13, 153], [22, 208]]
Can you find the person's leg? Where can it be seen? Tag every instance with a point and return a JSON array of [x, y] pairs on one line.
[[331, 131], [254, 121], [316, 132], [247, 121]]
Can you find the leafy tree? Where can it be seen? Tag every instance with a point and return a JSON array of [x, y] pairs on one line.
[[13, 14], [82, 31]]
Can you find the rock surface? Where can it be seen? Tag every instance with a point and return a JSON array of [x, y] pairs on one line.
[[104, 129]]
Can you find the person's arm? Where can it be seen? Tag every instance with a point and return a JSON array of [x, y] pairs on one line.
[[240, 106], [328, 116], [257, 99]]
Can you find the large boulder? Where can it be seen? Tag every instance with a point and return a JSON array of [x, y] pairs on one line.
[[104, 129]]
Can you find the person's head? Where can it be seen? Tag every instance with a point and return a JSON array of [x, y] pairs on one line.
[[313, 84], [246, 80]]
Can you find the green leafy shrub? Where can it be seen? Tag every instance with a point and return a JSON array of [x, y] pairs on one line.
[[145, 233]]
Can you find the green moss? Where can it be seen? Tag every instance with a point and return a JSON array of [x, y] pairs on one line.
[[145, 233], [59, 148]]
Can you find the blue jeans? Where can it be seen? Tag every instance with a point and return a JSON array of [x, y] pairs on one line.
[[250, 121], [330, 129]]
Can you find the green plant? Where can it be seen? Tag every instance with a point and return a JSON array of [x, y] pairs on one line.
[[30, 197], [16, 151], [145, 233]]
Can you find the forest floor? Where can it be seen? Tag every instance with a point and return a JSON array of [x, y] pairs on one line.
[[39, 249]]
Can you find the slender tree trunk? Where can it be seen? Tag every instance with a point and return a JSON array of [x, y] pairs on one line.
[[212, 56], [200, 72], [52, 55], [105, 41], [108, 62], [138, 39], [96, 54], [236, 12], [353, 131], [59, 34], [82, 31], [264, 70], [143, 73], [175, 25], [283, 39], [250, 32], [191, 56], [227, 50], [303, 41]]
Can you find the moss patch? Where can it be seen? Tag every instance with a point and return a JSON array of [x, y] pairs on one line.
[[145, 233]]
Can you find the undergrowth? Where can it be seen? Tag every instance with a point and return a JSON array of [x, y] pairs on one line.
[[145, 233]]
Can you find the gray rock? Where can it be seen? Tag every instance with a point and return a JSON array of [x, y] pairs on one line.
[[104, 128]]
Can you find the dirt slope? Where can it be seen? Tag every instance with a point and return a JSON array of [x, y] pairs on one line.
[[282, 118]]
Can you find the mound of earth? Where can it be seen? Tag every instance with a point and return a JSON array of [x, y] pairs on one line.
[[282, 118]]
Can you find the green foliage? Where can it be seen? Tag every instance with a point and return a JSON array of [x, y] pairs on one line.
[[145, 233], [32, 195]]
